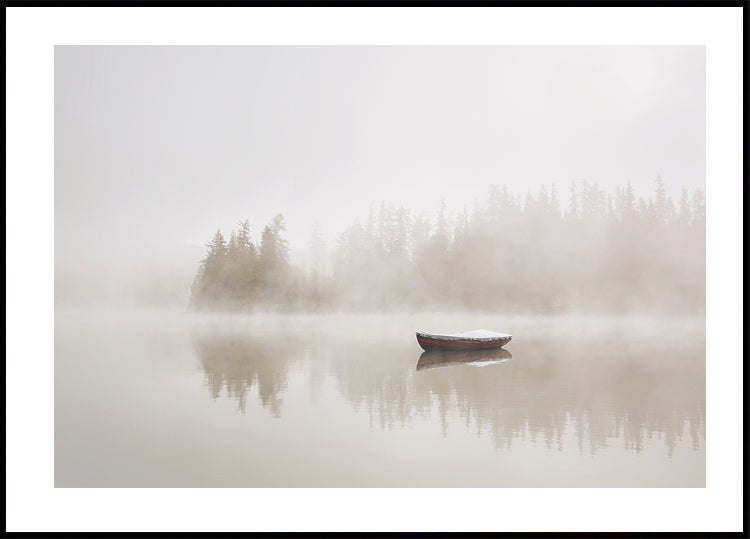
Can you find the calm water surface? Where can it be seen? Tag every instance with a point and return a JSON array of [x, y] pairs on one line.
[[160, 399]]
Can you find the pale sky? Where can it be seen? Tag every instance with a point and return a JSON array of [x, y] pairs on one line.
[[157, 147]]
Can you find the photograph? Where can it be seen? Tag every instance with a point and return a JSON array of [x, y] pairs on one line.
[[354, 266]]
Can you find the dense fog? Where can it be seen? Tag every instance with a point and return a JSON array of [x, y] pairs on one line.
[[614, 252], [541, 179]]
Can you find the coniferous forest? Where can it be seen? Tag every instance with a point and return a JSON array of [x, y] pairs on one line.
[[604, 251]]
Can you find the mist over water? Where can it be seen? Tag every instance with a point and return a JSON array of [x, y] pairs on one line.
[[170, 399]]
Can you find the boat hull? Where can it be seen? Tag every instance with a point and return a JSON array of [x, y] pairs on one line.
[[436, 343]]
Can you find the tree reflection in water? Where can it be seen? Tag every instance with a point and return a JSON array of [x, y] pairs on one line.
[[608, 391], [236, 363]]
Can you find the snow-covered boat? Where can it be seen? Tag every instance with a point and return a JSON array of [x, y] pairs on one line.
[[465, 340], [475, 358]]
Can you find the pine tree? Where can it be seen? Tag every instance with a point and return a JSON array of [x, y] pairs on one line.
[[243, 236], [629, 209], [317, 250], [660, 202], [494, 203], [574, 207], [685, 213], [543, 201], [554, 202], [209, 286], [699, 208], [441, 231], [274, 249], [217, 247]]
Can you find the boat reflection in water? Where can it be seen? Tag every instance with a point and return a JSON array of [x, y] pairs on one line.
[[476, 358]]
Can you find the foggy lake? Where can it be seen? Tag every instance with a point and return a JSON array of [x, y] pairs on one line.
[[172, 399], [225, 217]]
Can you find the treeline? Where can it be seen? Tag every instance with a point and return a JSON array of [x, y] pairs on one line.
[[606, 251]]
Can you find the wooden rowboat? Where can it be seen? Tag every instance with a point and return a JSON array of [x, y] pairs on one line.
[[480, 339], [475, 358]]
